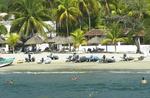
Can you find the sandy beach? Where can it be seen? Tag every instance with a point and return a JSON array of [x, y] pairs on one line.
[[61, 65]]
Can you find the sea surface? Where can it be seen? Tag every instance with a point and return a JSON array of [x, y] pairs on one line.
[[84, 84]]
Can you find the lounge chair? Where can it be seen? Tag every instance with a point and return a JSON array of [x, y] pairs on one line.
[[44, 60], [53, 57]]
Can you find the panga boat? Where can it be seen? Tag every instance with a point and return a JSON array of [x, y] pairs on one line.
[[6, 61]]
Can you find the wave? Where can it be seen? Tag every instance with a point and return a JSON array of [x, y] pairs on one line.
[[75, 72], [131, 72], [30, 72]]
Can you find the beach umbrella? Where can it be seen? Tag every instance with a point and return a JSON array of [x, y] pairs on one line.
[[94, 40], [34, 40]]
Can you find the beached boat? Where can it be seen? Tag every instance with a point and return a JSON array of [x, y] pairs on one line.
[[6, 61]]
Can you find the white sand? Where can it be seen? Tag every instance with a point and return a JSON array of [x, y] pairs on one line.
[[62, 65]]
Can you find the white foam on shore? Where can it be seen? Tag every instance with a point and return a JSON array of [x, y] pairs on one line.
[[120, 71], [66, 72], [131, 72], [74, 72]]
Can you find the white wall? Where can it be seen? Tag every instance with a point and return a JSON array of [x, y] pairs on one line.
[[120, 48]]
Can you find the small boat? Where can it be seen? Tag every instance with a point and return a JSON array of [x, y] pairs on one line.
[[6, 61]]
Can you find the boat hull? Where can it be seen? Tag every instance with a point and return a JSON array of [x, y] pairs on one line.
[[6, 61]]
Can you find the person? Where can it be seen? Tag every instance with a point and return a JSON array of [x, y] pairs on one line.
[[143, 81], [75, 78], [104, 58], [10, 82], [125, 57], [29, 57], [42, 60]]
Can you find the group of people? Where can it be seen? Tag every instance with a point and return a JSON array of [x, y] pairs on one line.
[[30, 58]]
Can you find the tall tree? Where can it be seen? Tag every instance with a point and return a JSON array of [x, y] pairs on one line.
[[67, 13], [138, 11], [113, 36], [29, 16], [89, 8]]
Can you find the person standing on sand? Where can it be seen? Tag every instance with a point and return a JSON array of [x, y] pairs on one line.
[[104, 58]]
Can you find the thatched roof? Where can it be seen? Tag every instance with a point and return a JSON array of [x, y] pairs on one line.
[[95, 32], [139, 34], [34, 40], [69, 39], [94, 40], [60, 40], [49, 40]]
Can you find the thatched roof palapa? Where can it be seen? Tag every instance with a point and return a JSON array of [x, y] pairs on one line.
[[95, 32], [34, 40], [94, 40], [61, 40]]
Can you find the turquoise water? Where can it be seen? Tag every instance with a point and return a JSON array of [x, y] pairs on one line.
[[96, 84]]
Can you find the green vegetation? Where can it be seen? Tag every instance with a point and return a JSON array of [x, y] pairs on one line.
[[3, 29], [113, 36], [78, 38], [12, 40], [29, 15], [131, 16]]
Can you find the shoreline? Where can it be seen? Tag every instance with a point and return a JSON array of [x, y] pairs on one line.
[[63, 66]]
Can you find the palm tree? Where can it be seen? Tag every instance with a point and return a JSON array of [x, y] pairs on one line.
[[114, 36], [78, 38], [67, 14], [12, 40], [29, 16], [139, 8], [89, 8]]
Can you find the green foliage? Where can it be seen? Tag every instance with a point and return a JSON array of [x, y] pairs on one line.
[[73, 14], [113, 36], [12, 40], [78, 38], [3, 29], [90, 10], [29, 15], [67, 14]]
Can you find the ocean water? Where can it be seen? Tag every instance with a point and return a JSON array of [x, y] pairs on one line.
[[89, 84]]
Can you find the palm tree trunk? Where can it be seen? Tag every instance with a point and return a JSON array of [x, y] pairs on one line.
[[89, 19], [115, 48], [67, 27], [80, 24], [13, 49], [107, 7], [106, 48], [137, 43]]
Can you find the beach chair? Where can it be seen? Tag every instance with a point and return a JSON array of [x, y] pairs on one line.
[[47, 60]]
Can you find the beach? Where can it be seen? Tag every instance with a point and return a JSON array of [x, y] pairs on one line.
[[61, 65]]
